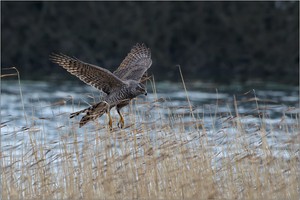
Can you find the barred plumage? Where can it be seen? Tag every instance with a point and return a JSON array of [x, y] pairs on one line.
[[130, 68], [121, 86]]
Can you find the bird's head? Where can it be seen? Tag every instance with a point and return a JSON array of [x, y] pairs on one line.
[[142, 88], [137, 88]]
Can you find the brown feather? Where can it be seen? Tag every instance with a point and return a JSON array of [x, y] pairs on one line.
[[135, 64], [98, 77]]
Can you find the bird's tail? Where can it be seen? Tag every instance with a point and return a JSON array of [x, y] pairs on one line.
[[74, 114], [92, 112]]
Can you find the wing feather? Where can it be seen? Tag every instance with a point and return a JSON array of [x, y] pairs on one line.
[[136, 63], [100, 78]]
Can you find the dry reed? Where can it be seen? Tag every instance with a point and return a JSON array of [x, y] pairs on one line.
[[159, 155]]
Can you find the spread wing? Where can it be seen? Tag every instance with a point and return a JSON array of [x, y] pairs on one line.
[[98, 77], [135, 64]]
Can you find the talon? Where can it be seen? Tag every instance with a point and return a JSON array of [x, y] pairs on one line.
[[121, 121], [121, 124], [110, 121]]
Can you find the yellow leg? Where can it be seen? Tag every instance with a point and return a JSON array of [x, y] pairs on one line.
[[121, 121], [110, 120]]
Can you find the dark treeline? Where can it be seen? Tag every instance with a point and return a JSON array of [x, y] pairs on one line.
[[211, 41]]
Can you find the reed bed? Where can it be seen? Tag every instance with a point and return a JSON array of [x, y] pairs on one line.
[[164, 152]]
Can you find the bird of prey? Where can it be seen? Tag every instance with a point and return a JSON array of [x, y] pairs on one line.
[[120, 86]]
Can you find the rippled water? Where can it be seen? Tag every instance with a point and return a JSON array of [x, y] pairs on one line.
[[42, 106]]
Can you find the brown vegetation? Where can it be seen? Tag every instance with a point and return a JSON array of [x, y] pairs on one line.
[[153, 158]]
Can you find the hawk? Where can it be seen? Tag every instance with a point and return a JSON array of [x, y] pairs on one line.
[[120, 86]]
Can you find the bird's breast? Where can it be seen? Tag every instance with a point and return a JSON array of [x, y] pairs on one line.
[[121, 95]]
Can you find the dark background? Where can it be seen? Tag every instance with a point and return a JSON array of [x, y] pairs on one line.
[[220, 42]]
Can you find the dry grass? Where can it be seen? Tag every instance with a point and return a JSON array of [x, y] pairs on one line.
[[155, 157]]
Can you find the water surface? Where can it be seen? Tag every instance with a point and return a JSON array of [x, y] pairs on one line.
[[43, 108]]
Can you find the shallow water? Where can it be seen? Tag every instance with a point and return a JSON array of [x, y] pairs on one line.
[[36, 107]]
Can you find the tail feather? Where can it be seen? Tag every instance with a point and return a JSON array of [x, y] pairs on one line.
[[92, 112], [74, 114]]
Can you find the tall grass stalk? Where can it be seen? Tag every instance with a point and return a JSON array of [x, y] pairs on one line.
[[154, 157]]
